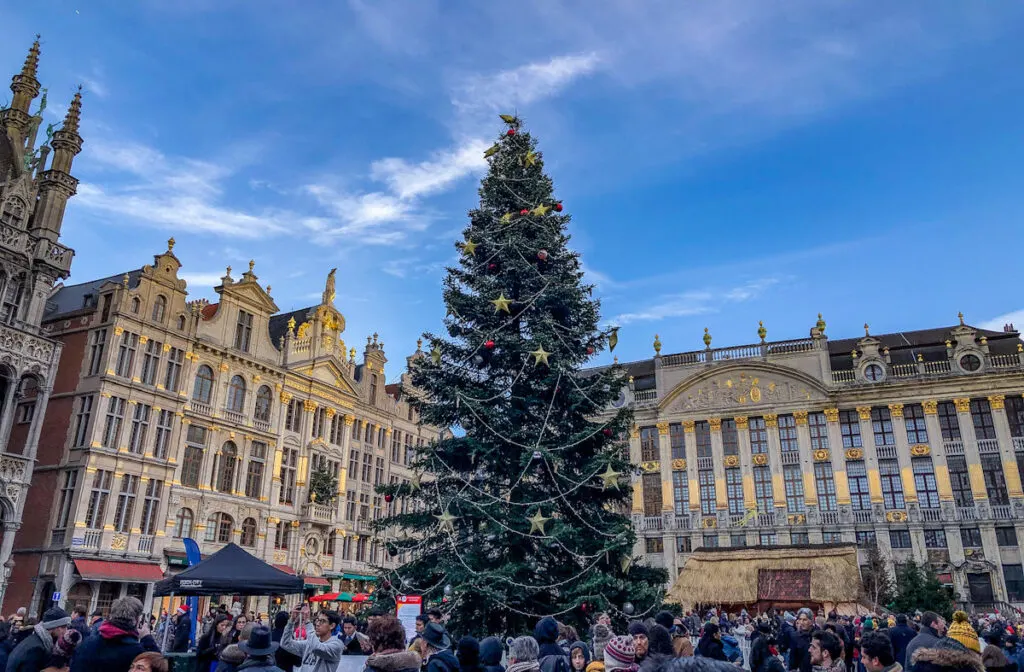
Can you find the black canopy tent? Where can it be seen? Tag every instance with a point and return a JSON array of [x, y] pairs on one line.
[[231, 570]]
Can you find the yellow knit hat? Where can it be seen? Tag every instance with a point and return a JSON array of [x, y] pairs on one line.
[[960, 630]]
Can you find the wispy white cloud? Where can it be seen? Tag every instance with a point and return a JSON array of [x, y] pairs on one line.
[[522, 85], [202, 280], [697, 302], [1016, 318], [411, 180]]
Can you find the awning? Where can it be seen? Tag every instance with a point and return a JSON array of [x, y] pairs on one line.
[[362, 597], [284, 568], [316, 581], [178, 558], [115, 570], [358, 577], [326, 597]]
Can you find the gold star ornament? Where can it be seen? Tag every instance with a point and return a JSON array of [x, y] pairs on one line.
[[445, 521], [501, 304], [540, 356], [537, 522], [610, 478], [506, 218], [541, 210], [613, 339], [626, 563], [469, 247], [509, 119], [415, 482], [435, 355], [530, 158], [491, 151]]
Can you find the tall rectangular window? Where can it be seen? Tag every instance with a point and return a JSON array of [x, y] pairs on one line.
[[680, 492], [730, 437], [97, 348], [763, 489], [652, 494], [151, 506], [949, 423], [192, 460], [960, 480], [677, 440], [935, 539], [1015, 415], [849, 427], [257, 465], [350, 505], [892, 485], [67, 498], [140, 427], [913, 418], [970, 537], [172, 377], [981, 414], [98, 497], [367, 467], [881, 425], [243, 331], [396, 446], [378, 471], [83, 415], [410, 452], [734, 491], [995, 479], [289, 468], [787, 433], [702, 435], [162, 437], [151, 362], [353, 463], [924, 481], [758, 436], [114, 422], [818, 426], [1014, 577], [826, 486], [857, 476], [649, 444], [706, 479], [126, 354], [900, 539], [794, 481]]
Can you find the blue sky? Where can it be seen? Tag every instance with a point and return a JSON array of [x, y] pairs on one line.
[[724, 162]]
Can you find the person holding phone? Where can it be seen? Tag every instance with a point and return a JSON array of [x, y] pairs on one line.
[[321, 651]]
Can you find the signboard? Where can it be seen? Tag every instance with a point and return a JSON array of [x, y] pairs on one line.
[[407, 608], [55, 598]]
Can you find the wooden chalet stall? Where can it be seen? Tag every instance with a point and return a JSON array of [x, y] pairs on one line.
[[758, 578]]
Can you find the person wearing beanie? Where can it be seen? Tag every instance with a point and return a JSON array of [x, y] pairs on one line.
[[63, 649], [620, 653], [182, 630], [119, 640], [958, 651], [33, 653], [960, 630], [602, 635], [551, 657], [638, 631], [491, 651]]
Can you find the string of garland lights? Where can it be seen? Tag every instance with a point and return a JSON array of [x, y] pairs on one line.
[[525, 512]]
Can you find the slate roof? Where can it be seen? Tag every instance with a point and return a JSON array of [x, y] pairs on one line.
[[71, 299]]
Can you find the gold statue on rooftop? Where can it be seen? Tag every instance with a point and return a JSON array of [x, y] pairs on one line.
[[329, 288]]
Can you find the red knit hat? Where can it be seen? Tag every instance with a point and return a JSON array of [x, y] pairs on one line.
[[619, 652]]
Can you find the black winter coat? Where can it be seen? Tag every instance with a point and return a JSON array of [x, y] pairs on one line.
[[926, 639], [901, 636], [443, 661], [30, 655], [6, 647], [110, 650], [182, 633], [698, 664]]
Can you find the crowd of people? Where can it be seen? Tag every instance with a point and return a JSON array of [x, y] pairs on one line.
[[298, 641]]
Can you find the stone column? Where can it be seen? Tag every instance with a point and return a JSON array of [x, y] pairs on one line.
[[803, 442], [637, 485], [771, 421], [691, 465], [970, 440], [899, 430], [990, 546], [10, 407], [1009, 458], [10, 530], [718, 463], [867, 439], [667, 498], [837, 455], [747, 470], [937, 448]]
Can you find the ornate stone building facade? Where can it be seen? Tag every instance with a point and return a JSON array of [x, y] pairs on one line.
[[35, 185], [911, 441], [173, 418]]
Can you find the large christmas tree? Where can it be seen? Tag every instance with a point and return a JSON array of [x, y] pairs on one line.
[[521, 514]]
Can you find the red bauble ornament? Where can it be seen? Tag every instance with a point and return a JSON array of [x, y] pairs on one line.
[[607, 431], [558, 207], [524, 211], [389, 498], [489, 345], [590, 349], [543, 255], [492, 267], [510, 132]]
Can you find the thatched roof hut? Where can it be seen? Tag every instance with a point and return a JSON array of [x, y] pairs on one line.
[[760, 577]]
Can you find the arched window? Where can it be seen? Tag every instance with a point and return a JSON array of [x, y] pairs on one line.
[[236, 394], [264, 399], [219, 528], [248, 532], [181, 323], [183, 523], [159, 309], [203, 390], [136, 305], [228, 460]]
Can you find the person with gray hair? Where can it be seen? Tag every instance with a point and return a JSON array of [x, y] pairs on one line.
[[522, 655], [122, 637]]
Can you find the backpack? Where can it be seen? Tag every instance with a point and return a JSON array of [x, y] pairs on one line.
[[553, 663]]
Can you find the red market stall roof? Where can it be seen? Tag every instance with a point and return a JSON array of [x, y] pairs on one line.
[[326, 597], [342, 597], [284, 568], [115, 570], [313, 581]]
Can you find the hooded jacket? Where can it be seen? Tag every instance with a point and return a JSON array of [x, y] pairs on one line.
[[442, 661], [582, 646], [111, 648], [491, 651], [468, 654], [551, 656], [946, 656]]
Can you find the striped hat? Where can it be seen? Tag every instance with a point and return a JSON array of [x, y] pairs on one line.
[[619, 653]]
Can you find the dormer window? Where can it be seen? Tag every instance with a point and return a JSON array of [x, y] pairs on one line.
[[136, 305], [243, 331], [373, 387], [181, 323], [159, 309]]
